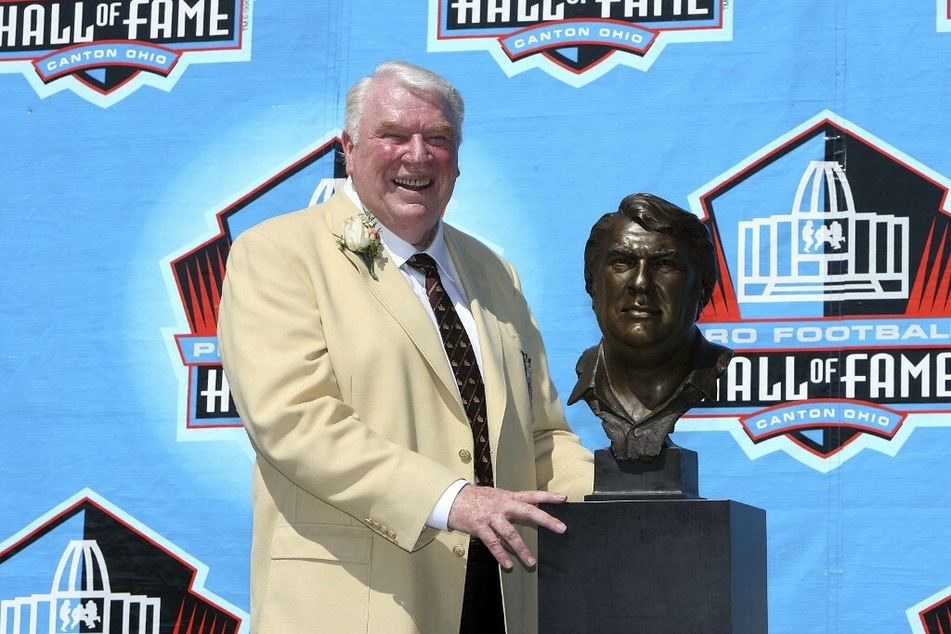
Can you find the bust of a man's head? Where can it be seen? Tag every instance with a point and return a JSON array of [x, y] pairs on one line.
[[650, 268]]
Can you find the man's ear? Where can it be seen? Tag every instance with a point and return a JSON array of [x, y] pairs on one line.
[[347, 142]]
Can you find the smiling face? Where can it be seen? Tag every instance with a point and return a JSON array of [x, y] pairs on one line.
[[645, 293], [405, 160]]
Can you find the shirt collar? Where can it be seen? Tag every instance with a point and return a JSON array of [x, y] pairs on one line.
[[710, 362], [400, 250]]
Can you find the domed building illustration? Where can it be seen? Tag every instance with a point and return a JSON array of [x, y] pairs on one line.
[[824, 249], [81, 599]]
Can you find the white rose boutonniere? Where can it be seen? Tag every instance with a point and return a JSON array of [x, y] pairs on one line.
[[361, 236]]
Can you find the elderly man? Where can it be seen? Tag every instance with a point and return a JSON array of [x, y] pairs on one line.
[[394, 385], [650, 268]]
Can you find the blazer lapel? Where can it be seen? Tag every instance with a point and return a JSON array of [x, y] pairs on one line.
[[490, 335], [397, 298]]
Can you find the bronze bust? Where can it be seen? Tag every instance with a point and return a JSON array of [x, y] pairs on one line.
[[650, 268]]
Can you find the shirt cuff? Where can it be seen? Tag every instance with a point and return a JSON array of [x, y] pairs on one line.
[[439, 518]]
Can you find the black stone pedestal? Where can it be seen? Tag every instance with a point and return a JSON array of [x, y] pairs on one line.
[[663, 566]]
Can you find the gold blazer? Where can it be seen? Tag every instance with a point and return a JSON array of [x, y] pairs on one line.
[[350, 404]]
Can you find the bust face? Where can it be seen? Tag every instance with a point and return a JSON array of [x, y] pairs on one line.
[[645, 293]]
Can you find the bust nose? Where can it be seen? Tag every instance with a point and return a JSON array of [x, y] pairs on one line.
[[640, 279]]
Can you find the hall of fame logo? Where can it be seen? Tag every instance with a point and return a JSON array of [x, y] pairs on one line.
[[87, 567], [576, 41], [104, 50], [835, 293], [933, 615], [196, 273]]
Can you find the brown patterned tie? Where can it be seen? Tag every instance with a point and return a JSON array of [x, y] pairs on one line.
[[463, 362]]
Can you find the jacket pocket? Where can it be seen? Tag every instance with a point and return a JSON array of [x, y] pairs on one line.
[[322, 542], [317, 580]]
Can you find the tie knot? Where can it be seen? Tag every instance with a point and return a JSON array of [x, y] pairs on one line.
[[423, 262]]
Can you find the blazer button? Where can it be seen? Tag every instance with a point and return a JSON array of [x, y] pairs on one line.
[[458, 551], [465, 456]]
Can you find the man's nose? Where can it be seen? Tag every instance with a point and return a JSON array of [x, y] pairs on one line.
[[417, 151]]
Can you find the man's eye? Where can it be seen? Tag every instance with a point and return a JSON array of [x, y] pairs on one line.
[[439, 140]]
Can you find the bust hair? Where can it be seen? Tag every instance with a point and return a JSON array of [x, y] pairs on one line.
[[661, 216], [411, 76]]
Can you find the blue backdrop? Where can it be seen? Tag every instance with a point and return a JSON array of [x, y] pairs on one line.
[[140, 136]]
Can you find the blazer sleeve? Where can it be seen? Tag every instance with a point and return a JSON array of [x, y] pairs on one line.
[[275, 356]]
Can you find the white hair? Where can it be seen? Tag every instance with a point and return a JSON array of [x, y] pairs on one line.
[[413, 77]]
